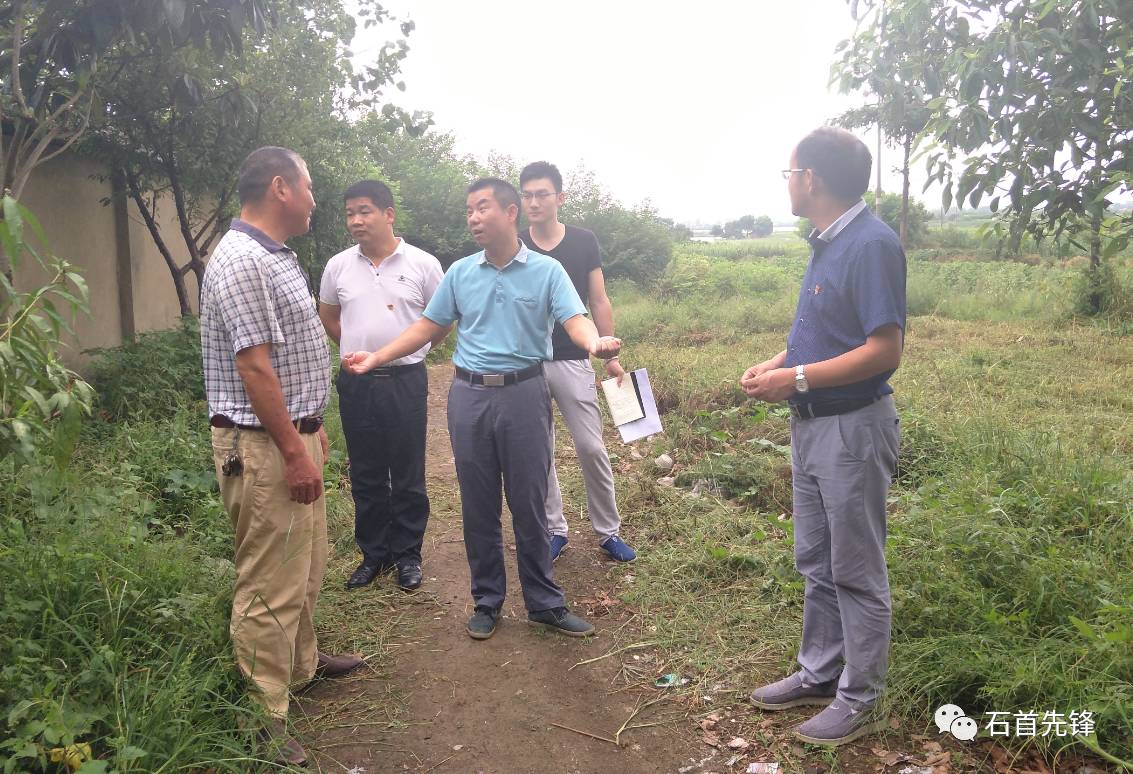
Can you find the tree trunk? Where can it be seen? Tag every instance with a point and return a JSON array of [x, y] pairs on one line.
[[905, 191], [877, 193], [155, 234]]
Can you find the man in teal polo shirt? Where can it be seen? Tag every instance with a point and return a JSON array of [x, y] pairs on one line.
[[505, 301]]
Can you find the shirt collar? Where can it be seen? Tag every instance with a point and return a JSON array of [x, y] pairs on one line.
[[264, 240], [399, 250], [520, 256], [836, 227]]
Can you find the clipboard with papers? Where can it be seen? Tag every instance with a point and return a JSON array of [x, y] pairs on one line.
[[632, 405]]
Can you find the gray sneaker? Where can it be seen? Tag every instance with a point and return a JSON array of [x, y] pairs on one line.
[[791, 692], [561, 620], [838, 724]]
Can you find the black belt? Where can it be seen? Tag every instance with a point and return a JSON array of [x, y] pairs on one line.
[[387, 371], [499, 380], [305, 425], [830, 408]]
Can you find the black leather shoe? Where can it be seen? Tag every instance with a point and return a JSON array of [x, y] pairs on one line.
[[365, 575], [409, 576]]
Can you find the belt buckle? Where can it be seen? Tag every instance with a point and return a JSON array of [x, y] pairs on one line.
[[493, 380]]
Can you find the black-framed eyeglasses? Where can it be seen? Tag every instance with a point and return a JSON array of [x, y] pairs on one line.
[[788, 172], [537, 195]]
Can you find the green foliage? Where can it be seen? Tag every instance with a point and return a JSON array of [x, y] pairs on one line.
[[431, 181], [177, 127], [150, 377], [55, 52], [1103, 291], [108, 638], [1027, 111], [890, 213], [42, 402], [636, 243], [998, 290]]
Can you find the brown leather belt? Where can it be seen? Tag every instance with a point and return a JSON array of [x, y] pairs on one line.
[[305, 425]]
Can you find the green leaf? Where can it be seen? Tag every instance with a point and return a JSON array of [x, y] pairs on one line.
[[13, 219], [1115, 246], [1083, 628], [132, 753]]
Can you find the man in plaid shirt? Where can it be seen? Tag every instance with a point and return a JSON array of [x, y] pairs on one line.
[[267, 377]]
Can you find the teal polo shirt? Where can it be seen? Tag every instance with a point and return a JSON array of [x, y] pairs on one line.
[[504, 316]]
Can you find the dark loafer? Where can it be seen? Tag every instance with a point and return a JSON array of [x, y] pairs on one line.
[[284, 748], [409, 576], [336, 666], [365, 575], [482, 625]]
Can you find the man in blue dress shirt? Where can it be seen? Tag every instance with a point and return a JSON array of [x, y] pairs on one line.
[[844, 345], [504, 301]]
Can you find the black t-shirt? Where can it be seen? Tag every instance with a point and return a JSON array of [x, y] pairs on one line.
[[579, 254]]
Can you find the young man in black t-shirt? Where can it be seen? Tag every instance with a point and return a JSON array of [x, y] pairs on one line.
[[569, 375]]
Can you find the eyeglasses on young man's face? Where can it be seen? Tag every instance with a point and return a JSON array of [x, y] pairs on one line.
[[539, 196], [788, 172]]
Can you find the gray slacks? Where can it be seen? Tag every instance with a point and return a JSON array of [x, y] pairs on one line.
[[504, 432], [842, 468], [573, 389]]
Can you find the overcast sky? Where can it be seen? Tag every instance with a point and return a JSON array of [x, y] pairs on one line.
[[693, 105]]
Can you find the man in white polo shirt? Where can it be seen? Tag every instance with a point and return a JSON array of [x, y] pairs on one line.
[[369, 294]]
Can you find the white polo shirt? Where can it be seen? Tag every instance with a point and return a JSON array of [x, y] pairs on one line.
[[378, 303]]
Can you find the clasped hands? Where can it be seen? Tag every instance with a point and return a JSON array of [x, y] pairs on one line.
[[768, 383]]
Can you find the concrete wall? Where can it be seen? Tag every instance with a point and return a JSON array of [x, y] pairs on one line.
[[131, 289]]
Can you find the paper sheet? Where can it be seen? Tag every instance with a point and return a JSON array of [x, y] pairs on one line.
[[623, 401], [650, 423]]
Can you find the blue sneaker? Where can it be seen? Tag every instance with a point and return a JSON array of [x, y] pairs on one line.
[[617, 550], [558, 545]]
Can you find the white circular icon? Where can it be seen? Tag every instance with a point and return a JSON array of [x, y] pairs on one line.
[[964, 728], [946, 715]]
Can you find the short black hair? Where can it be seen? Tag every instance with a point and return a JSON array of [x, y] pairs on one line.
[[503, 191], [261, 167], [374, 190], [839, 158], [537, 170]]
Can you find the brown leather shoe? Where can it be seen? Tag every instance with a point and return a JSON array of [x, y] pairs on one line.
[[284, 748], [336, 666]]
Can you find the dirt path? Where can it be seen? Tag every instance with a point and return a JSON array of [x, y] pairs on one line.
[[448, 703]]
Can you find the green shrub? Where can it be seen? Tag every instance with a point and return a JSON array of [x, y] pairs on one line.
[[109, 636], [1102, 291], [42, 402], [151, 376]]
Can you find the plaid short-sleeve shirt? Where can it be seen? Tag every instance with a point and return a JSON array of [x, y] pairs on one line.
[[255, 292]]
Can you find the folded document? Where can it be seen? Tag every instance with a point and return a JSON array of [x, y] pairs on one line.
[[632, 405]]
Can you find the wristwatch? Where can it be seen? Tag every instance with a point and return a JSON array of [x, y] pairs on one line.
[[800, 379]]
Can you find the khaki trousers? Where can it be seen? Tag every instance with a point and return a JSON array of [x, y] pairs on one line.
[[281, 556]]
